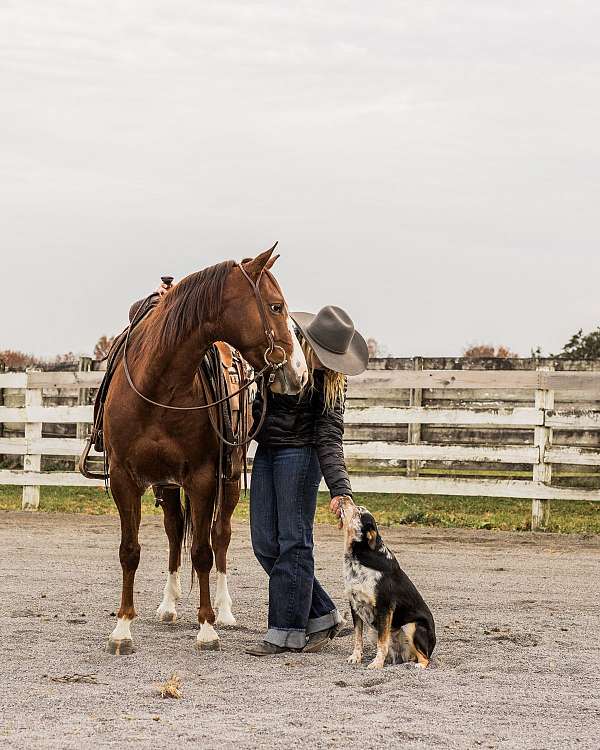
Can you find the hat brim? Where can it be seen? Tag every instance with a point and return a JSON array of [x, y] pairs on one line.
[[353, 362]]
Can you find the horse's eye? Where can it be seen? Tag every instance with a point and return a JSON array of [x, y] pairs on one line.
[[277, 308]]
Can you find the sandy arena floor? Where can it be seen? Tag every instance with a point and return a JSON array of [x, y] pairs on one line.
[[517, 663]]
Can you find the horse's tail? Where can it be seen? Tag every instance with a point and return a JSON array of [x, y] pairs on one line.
[[187, 521], [187, 532]]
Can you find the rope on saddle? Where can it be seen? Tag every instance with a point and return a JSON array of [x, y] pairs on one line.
[[233, 438]]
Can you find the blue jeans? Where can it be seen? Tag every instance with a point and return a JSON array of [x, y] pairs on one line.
[[283, 500]]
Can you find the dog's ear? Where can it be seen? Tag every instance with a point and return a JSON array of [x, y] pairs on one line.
[[372, 538], [370, 534]]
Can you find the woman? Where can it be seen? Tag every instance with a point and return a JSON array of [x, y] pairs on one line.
[[299, 442]]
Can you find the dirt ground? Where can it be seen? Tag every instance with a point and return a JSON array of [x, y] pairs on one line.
[[517, 663]]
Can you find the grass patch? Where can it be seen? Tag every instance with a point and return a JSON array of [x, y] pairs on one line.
[[90, 500], [388, 509], [475, 512]]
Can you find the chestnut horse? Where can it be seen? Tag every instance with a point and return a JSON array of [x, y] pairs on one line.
[[146, 444]]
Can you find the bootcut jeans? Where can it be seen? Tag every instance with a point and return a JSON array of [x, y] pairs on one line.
[[283, 500]]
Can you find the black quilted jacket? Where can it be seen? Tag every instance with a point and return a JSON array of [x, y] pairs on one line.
[[299, 421]]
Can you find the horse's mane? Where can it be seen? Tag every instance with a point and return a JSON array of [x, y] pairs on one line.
[[195, 299]]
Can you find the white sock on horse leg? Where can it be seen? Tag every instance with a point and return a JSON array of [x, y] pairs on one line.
[[166, 611], [120, 640], [223, 601], [207, 637]]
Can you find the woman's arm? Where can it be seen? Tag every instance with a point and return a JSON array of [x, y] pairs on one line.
[[329, 434]]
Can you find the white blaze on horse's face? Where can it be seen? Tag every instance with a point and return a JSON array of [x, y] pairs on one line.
[[292, 378]]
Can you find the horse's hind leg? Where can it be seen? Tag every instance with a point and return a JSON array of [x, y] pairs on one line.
[[128, 498], [221, 536], [173, 521], [201, 492]]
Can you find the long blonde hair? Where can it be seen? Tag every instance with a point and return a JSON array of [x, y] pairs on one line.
[[334, 382]]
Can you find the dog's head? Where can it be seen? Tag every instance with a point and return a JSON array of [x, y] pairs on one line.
[[424, 639], [359, 525], [418, 641]]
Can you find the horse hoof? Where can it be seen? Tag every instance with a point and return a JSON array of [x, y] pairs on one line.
[[226, 618], [165, 615], [120, 648], [208, 645]]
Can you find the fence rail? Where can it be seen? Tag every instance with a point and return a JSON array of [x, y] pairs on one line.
[[397, 420]]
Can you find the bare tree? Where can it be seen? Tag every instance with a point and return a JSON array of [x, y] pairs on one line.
[[103, 347], [69, 358], [376, 349], [488, 350], [14, 360]]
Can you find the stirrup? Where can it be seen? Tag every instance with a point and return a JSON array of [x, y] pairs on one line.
[[88, 473]]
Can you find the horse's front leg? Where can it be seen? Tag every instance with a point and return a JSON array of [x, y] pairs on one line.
[[201, 493], [221, 536], [173, 521], [128, 498]]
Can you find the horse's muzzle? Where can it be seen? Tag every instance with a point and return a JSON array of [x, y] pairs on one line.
[[289, 381]]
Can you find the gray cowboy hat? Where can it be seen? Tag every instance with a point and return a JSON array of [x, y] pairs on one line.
[[336, 343]]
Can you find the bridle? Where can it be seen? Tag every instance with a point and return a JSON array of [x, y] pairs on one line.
[[270, 336], [269, 365]]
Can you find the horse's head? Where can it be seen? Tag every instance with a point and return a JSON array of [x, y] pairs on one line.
[[255, 319]]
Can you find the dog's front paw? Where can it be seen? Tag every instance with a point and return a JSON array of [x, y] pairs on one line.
[[376, 664], [355, 657]]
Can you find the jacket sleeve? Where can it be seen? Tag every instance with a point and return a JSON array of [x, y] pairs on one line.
[[329, 434]]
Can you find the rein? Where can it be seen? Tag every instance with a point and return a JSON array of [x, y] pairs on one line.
[[273, 366]]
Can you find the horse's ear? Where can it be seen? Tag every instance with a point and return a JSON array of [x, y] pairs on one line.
[[271, 261], [257, 265]]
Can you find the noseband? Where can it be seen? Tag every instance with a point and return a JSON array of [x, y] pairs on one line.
[[269, 365]]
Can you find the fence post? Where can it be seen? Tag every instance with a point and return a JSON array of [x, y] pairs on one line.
[[32, 462], [2, 369], [414, 430], [542, 472], [85, 365]]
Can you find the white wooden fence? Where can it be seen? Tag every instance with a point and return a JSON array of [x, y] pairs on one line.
[[377, 464]]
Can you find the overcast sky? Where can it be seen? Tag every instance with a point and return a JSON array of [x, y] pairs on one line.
[[433, 167]]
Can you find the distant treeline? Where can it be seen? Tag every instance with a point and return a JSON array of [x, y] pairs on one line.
[[15, 361], [580, 346]]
